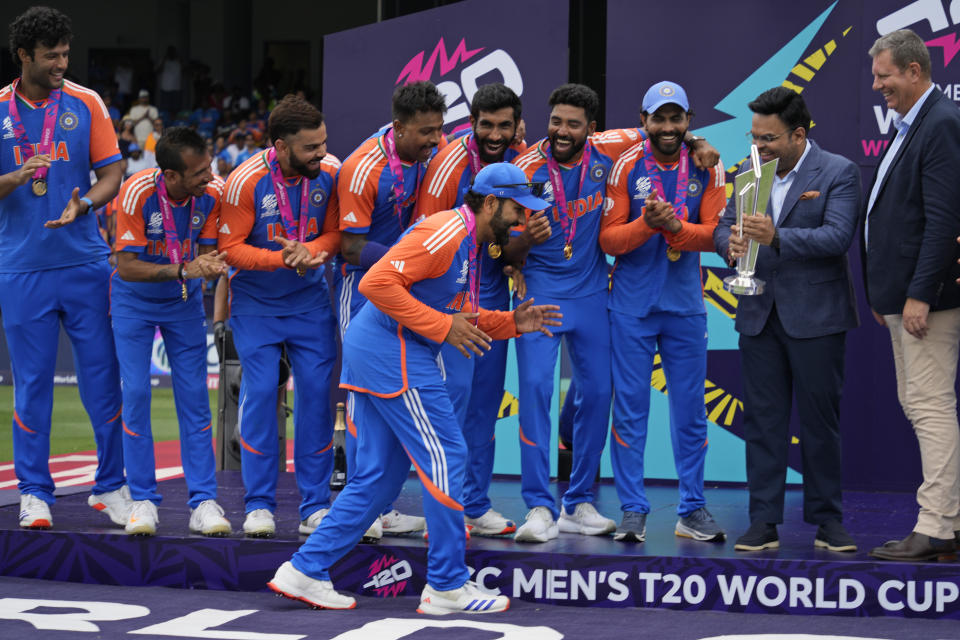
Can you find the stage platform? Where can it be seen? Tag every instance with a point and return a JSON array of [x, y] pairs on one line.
[[664, 572]]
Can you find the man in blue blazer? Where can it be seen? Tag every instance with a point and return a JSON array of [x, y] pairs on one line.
[[792, 336], [911, 221]]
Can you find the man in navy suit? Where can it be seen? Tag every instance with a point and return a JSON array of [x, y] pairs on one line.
[[909, 253], [792, 335]]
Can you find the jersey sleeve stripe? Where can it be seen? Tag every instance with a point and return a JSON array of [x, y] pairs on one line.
[[331, 160], [234, 180], [363, 170], [435, 188], [90, 93], [129, 199], [444, 235], [133, 197], [626, 159], [233, 194], [441, 231]]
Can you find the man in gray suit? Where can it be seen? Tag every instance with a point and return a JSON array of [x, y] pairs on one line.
[[792, 336]]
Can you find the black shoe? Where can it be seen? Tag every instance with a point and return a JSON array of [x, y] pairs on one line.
[[760, 536], [633, 528], [833, 537], [917, 547]]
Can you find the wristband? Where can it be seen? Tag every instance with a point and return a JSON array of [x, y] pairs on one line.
[[89, 203], [180, 272], [371, 252]]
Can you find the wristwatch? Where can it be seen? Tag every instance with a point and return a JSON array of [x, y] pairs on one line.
[[695, 139]]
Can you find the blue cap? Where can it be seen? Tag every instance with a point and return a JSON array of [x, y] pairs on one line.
[[133, 147], [505, 180], [665, 92]]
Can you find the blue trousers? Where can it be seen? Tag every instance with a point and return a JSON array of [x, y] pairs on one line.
[[418, 426], [185, 342], [312, 349], [349, 302], [586, 329], [682, 343], [33, 306]]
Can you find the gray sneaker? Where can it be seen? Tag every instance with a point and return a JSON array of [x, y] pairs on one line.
[[700, 525], [633, 527]]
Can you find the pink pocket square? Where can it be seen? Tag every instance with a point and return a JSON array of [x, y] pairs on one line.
[[809, 195]]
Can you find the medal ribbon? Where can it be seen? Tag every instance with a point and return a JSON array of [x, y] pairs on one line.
[[49, 125], [294, 228], [396, 169], [683, 178], [473, 270], [556, 181], [172, 239], [473, 152]]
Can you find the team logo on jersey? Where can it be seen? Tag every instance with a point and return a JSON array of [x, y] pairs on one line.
[[318, 196], [196, 221], [695, 188], [598, 172], [463, 272], [547, 192], [268, 206], [156, 223], [350, 217], [69, 120], [642, 188], [8, 128]]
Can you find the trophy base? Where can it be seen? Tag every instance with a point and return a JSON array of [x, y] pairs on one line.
[[743, 285]]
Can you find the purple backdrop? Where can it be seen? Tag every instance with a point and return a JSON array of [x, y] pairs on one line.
[[458, 48], [733, 52]]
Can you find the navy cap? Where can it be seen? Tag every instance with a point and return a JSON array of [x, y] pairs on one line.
[[665, 92], [505, 180]]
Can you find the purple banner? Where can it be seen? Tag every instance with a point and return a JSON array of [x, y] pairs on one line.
[[818, 48], [459, 48]]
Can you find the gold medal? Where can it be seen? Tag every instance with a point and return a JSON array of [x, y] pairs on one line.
[[183, 290], [567, 251], [493, 250], [39, 187], [673, 254]]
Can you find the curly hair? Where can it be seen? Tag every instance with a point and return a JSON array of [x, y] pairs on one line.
[[577, 95], [415, 97], [493, 97], [38, 26], [291, 115]]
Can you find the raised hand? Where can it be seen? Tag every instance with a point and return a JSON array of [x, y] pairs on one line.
[[704, 155], [28, 168], [530, 318], [537, 228], [464, 335], [75, 206]]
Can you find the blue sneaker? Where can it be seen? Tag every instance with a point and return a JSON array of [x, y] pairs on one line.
[[700, 525]]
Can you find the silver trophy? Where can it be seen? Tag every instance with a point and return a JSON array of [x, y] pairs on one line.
[[751, 190]]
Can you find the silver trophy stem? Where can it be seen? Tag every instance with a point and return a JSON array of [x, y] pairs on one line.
[[743, 283]]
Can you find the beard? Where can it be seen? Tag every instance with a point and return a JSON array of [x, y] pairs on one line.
[[575, 148], [500, 227], [303, 169], [667, 149], [490, 158]]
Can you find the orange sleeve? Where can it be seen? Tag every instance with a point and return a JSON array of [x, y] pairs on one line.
[[103, 139], [131, 227], [499, 325], [617, 236], [236, 220], [699, 236], [388, 286], [209, 230], [329, 238], [438, 193], [614, 142], [357, 193]]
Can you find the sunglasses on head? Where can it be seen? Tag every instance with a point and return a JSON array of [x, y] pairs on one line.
[[536, 188]]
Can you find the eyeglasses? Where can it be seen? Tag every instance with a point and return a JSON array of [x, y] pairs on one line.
[[768, 138], [536, 188]]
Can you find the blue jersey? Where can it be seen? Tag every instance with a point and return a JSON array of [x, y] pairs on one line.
[[547, 271], [260, 284], [645, 280], [83, 139], [140, 230], [447, 180], [392, 344]]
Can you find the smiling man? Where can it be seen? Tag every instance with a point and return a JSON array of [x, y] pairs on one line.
[[662, 213], [421, 295], [54, 267], [792, 336], [909, 256], [278, 224], [378, 188]]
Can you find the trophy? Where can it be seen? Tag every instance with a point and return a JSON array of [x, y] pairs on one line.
[[751, 191]]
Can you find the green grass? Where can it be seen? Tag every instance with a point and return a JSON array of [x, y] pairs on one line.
[[71, 431]]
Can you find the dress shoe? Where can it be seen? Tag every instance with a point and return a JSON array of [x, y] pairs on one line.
[[917, 547]]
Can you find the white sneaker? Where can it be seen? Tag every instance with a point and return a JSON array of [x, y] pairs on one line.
[[586, 521], [207, 519], [374, 532], [290, 583], [143, 519], [539, 527], [116, 504], [259, 524], [34, 512], [467, 599], [490, 524], [309, 525], [396, 523]]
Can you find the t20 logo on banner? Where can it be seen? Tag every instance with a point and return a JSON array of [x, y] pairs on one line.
[[459, 89]]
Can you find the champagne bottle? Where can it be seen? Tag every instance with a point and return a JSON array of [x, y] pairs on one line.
[[338, 479]]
